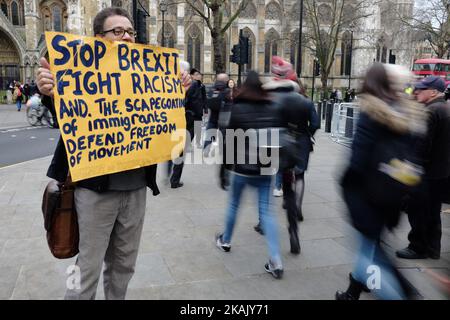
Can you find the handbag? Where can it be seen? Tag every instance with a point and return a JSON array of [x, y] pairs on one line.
[[60, 218], [395, 171]]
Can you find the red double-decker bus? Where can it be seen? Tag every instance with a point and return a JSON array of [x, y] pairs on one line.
[[433, 66]]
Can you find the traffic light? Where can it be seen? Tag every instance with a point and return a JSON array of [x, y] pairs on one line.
[[316, 68], [235, 54], [243, 42], [141, 27], [391, 57]]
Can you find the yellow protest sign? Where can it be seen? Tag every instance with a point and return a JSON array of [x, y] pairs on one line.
[[119, 105]]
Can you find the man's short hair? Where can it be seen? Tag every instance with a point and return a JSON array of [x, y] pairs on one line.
[[222, 77], [193, 71], [101, 17]]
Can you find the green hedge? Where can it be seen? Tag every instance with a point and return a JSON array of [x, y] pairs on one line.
[[2, 96]]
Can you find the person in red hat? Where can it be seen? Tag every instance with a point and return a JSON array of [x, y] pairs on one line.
[[301, 120]]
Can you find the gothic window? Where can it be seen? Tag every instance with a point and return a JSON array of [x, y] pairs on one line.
[[47, 19], [189, 11], [194, 47], [172, 8], [15, 13], [251, 44], [270, 48], [169, 36], [325, 14], [249, 12], [294, 48], [4, 8], [295, 12], [226, 11], [53, 15], [323, 43], [381, 51], [346, 48], [273, 11], [57, 18], [347, 15], [383, 54]]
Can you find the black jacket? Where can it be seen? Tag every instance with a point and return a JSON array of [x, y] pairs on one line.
[[377, 120], [297, 112], [299, 116], [250, 113], [196, 99], [436, 145], [59, 167], [218, 100]]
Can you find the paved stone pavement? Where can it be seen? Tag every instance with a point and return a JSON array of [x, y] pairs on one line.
[[178, 258], [11, 118]]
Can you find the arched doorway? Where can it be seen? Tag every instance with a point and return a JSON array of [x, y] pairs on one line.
[[9, 61]]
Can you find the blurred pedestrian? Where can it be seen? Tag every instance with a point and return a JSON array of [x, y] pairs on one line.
[[195, 106], [383, 168], [301, 121], [252, 111], [333, 95], [424, 207], [18, 96], [232, 86], [339, 95], [218, 100], [33, 88], [26, 92]]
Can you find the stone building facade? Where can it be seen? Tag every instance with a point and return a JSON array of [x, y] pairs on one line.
[[271, 25]]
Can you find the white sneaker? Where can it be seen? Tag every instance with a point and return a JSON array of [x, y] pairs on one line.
[[277, 192]]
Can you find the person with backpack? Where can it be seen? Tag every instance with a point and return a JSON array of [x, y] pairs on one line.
[[299, 118], [383, 168], [219, 98], [18, 95]]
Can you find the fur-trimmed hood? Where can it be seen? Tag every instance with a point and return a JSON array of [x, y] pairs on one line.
[[407, 116], [273, 85]]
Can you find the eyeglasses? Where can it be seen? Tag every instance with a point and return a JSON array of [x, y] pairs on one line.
[[119, 32]]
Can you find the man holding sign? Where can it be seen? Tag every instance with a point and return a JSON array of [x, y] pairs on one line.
[[117, 105]]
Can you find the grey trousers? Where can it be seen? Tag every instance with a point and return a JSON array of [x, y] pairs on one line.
[[110, 226]]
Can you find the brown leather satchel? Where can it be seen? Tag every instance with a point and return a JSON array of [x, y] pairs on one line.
[[60, 218]]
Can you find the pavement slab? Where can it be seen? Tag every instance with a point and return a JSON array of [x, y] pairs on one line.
[[178, 258]]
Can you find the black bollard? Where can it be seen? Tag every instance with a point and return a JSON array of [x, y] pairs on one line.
[[328, 117], [324, 109], [349, 123], [319, 113]]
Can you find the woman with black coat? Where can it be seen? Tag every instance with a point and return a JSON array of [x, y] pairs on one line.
[[387, 118]]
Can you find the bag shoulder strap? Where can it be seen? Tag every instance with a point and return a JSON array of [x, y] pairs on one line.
[[68, 184]]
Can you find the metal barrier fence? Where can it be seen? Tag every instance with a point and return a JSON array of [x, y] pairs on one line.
[[343, 122]]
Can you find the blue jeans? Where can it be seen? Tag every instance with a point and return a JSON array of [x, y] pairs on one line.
[[268, 222], [279, 180], [371, 257], [208, 137], [19, 104]]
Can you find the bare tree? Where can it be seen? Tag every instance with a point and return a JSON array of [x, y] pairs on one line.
[[326, 21], [217, 23], [432, 20]]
